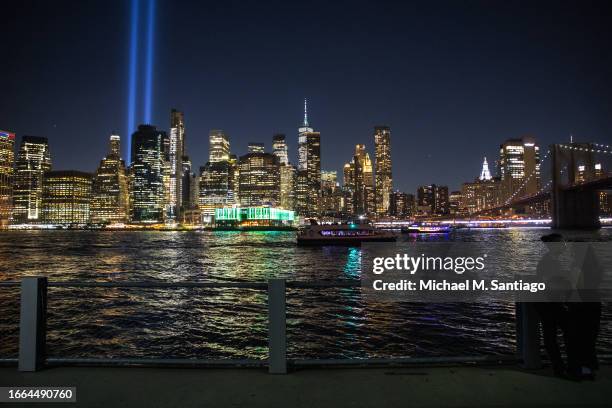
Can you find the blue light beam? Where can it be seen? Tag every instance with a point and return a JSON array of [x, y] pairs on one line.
[[131, 114], [149, 69]]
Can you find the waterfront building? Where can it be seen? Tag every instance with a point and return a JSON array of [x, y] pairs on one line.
[[188, 185], [401, 205], [256, 147], [348, 186], [33, 160], [254, 217], [432, 200], [7, 163], [519, 165], [259, 180], [175, 155], [216, 188], [308, 180], [480, 195], [147, 178], [219, 146], [384, 179], [109, 191], [280, 149], [66, 198], [584, 174], [454, 203]]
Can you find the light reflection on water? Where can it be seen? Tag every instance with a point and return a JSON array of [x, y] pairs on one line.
[[224, 323]]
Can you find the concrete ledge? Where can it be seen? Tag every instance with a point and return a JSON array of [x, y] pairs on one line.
[[401, 387]]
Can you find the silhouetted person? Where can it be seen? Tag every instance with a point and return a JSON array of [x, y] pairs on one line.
[[584, 314], [553, 315]]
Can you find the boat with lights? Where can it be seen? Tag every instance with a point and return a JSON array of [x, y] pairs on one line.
[[427, 228], [342, 234]]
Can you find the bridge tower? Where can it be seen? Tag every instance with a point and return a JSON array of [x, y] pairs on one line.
[[573, 206]]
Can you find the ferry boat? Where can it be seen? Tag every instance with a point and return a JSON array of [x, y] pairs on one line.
[[427, 229], [343, 234]]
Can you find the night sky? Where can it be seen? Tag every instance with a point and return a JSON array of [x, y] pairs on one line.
[[451, 79]]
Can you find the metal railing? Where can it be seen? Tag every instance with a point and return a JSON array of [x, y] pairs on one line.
[[33, 330]]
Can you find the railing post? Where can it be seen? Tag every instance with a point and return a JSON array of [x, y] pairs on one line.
[[528, 335], [32, 323], [277, 327]]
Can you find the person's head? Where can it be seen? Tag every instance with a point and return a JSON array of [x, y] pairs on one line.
[[553, 242]]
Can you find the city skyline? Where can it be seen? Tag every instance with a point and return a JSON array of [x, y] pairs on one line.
[[436, 87]]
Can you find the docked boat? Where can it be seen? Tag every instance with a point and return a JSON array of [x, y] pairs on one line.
[[427, 229], [343, 234]]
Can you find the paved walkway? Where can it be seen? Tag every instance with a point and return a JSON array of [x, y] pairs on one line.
[[364, 387]]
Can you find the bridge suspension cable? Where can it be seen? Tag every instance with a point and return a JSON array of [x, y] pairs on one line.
[[526, 180]]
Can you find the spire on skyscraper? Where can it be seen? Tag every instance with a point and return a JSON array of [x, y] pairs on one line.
[[305, 112], [485, 174]]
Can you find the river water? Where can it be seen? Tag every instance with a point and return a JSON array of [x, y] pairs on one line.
[[232, 323]]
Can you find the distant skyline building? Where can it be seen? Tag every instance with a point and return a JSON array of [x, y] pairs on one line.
[[384, 177], [401, 205], [66, 198], [256, 147], [7, 164], [287, 186], [519, 164], [219, 146], [109, 191], [485, 174], [280, 149], [33, 160], [175, 158], [216, 188], [147, 175], [363, 179], [259, 180], [308, 178], [433, 200]]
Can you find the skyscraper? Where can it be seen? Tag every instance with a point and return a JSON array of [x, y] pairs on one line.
[[256, 147], [219, 146], [175, 158], [216, 187], [485, 174], [519, 164], [364, 198], [33, 160], [66, 198], [147, 175], [259, 180], [308, 180], [287, 186], [433, 200], [110, 194], [279, 148], [7, 162], [384, 179]]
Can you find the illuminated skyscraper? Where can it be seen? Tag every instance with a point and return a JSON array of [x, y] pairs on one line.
[[259, 180], [255, 147], [363, 197], [66, 198], [519, 164], [175, 158], [110, 194], [433, 200], [33, 160], [287, 186], [401, 205], [485, 174], [147, 175], [308, 178], [7, 162], [279, 148], [216, 187], [331, 198], [384, 179], [219, 146]]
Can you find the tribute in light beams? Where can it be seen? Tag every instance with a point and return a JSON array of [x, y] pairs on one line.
[[149, 68], [131, 114]]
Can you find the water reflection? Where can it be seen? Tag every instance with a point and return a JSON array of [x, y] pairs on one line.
[[214, 323]]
